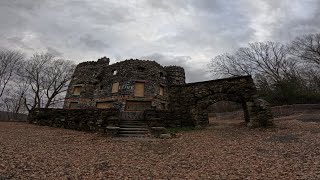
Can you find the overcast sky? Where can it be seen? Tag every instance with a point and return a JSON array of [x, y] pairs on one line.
[[172, 32]]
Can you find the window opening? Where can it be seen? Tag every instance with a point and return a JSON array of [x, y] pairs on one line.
[[115, 87], [77, 90], [161, 91], [139, 89]]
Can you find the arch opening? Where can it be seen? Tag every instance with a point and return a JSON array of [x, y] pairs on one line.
[[226, 113]]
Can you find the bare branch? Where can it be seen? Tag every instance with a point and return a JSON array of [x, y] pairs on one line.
[[47, 78], [9, 64]]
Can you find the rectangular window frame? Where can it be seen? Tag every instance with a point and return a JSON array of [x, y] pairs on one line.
[[162, 90], [104, 104], [115, 88], [77, 90], [139, 92]]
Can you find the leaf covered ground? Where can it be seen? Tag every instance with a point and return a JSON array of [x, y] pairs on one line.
[[291, 150]]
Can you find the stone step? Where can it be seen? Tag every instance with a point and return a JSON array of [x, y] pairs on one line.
[[132, 132], [141, 124], [132, 122], [133, 129], [133, 135], [133, 126]]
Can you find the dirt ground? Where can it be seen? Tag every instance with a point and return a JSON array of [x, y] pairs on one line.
[[291, 150]]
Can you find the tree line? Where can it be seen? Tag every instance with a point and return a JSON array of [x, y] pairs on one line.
[[284, 73], [36, 82]]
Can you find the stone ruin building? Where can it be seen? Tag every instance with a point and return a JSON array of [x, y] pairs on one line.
[[134, 96], [131, 85]]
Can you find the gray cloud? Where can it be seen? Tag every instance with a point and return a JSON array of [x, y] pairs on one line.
[[92, 43], [18, 42], [193, 74], [182, 32], [54, 52]]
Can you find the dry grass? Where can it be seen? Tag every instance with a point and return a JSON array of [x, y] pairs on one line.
[[291, 150]]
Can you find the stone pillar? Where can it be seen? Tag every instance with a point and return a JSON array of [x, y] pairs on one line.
[[245, 111], [259, 113], [112, 131], [200, 117]]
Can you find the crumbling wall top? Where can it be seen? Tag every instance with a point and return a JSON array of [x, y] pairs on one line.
[[87, 63], [104, 60]]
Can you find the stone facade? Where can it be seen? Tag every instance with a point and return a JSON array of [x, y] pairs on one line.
[[100, 85], [192, 100], [166, 118], [144, 90]]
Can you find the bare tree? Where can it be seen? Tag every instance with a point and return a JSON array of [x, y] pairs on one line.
[[14, 100], [33, 74], [58, 73], [283, 74], [307, 48], [260, 59], [311, 76], [230, 65], [9, 63], [47, 78]]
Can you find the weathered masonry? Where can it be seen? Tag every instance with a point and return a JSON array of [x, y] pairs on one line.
[[192, 100], [136, 97], [131, 85], [160, 92]]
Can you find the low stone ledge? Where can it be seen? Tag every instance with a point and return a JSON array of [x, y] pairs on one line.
[[165, 136], [113, 120], [77, 119], [112, 131], [158, 131], [154, 122]]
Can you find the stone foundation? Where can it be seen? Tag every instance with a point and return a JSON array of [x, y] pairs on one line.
[[95, 120]]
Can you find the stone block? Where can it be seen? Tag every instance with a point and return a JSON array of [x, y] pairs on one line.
[[157, 131], [165, 136], [112, 131]]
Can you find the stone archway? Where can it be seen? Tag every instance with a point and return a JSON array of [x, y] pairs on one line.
[[200, 109], [225, 113], [193, 100]]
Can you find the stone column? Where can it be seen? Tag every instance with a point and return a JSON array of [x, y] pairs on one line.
[[259, 113], [200, 117]]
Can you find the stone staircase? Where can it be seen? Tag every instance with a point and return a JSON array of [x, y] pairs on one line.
[[133, 128], [132, 125]]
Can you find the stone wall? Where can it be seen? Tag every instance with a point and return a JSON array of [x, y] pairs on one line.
[[96, 80], [277, 111], [287, 110], [192, 100], [9, 116], [166, 118], [187, 104], [82, 120]]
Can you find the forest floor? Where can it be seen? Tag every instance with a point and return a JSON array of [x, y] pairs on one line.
[[290, 150]]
